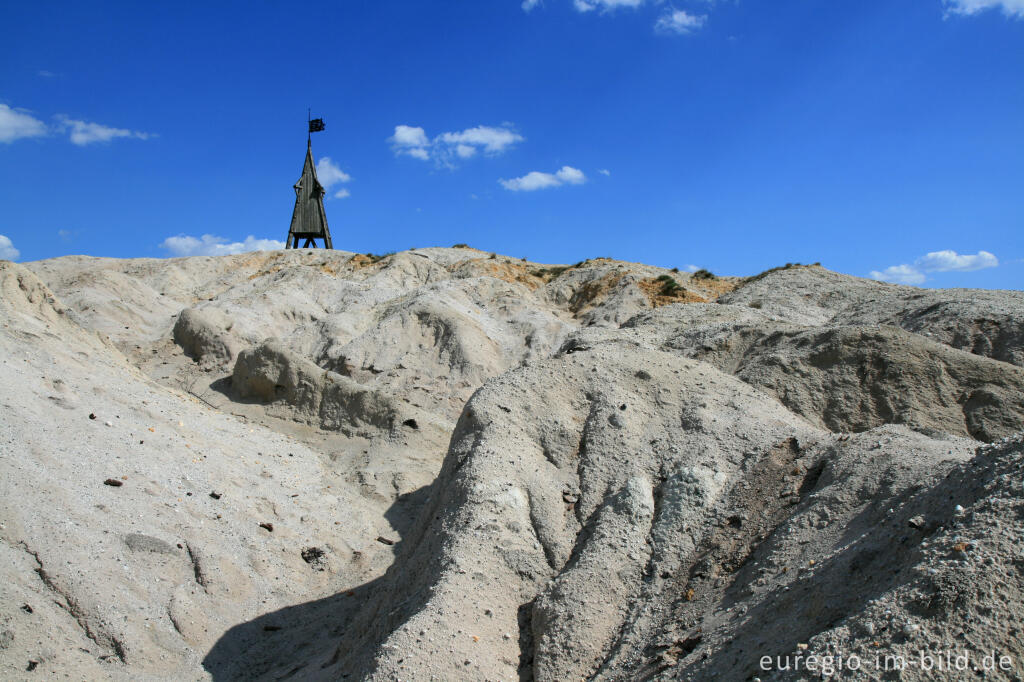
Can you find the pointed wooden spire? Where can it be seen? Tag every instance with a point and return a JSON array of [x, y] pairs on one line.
[[309, 221]]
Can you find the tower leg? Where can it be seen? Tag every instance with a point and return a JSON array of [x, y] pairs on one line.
[[291, 241]]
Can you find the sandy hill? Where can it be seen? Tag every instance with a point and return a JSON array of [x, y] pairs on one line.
[[446, 464]]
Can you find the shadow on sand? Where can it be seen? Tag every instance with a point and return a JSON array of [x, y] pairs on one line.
[[300, 641]]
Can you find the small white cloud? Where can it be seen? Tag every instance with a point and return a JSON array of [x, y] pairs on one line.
[[493, 140], [43, 73], [604, 5], [535, 180], [16, 124], [949, 260], [900, 274], [329, 174], [678, 22], [84, 132], [530, 4], [65, 235], [210, 245], [604, 171], [691, 268], [1011, 8], [7, 250], [410, 140], [409, 136], [342, 194], [570, 175], [936, 261], [446, 148]]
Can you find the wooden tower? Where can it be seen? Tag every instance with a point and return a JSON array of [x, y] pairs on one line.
[[309, 221]]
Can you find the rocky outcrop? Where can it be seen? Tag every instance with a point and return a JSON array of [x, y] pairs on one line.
[[205, 335], [983, 322], [271, 373], [857, 378]]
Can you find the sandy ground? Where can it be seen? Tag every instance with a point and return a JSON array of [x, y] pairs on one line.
[[448, 465]]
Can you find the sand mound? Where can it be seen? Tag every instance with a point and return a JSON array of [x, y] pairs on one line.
[[438, 463]]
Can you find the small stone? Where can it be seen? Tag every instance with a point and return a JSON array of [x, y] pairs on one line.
[[26, 608], [268, 526], [92, 416], [108, 423], [384, 541], [916, 522], [215, 495], [958, 510], [113, 482]]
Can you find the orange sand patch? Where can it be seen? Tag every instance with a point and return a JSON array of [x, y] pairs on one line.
[[653, 289]]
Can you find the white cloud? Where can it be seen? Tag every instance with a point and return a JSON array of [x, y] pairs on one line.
[[531, 181], [570, 175], [16, 124], [493, 140], [410, 140], [329, 174], [949, 260], [900, 274], [43, 73], [535, 180], [691, 268], [604, 171], [1011, 8], [84, 132], [7, 250], [210, 245], [447, 147], [409, 136], [605, 5], [936, 261], [530, 4], [342, 194], [679, 22]]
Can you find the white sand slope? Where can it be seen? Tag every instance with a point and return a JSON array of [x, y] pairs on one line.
[[449, 465]]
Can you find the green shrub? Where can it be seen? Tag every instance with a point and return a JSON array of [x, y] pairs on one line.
[[670, 286], [704, 274], [552, 272]]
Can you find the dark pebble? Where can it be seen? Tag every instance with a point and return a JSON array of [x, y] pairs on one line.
[[269, 526], [113, 482], [384, 540], [215, 495], [92, 416]]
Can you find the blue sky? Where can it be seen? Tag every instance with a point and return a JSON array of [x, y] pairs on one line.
[[874, 137]]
